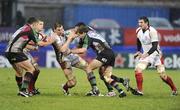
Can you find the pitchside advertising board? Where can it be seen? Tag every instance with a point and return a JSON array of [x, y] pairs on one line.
[[123, 60], [167, 37]]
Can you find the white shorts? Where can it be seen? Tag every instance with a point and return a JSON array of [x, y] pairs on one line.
[[154, 59], [72, 58]]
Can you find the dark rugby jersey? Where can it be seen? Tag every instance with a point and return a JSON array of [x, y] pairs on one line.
[[95, 41], [21, 38]]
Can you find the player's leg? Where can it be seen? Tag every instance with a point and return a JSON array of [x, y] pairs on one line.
[[18, 75], [107, 76], [110, 93], [32, 89], [167, 79], [81, 64], [26, 65], [139, 76], [108, 86], [94, 64], [71, 79], [20, 60]]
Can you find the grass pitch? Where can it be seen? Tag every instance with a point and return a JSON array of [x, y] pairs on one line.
[[156, 93]]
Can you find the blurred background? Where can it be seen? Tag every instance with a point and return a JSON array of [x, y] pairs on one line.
[[116, 20]]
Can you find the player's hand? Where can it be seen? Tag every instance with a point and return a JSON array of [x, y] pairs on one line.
[[36, 48], [72, 35], [137, 55], [67, 52], [143, 56]]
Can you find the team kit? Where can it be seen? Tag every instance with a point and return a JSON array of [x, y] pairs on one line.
[[30, 36]]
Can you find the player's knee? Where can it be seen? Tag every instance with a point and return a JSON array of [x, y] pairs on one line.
[[37, 71], [140, 67], [107, 78], [65, 65], [101, 74], [19, 74], [72, 82], [161, 69]]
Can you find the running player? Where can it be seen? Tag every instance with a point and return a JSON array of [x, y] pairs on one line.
[[147, 39]]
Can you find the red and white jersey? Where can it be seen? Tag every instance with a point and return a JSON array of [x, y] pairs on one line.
[[146, 38]]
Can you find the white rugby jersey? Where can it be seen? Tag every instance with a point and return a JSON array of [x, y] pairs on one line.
[[146, 38]]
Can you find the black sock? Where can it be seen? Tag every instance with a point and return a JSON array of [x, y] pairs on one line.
[[117, 79], [18, 81], [115, 85], [36, 74], [108, 86], [92, 80], [27, 78]]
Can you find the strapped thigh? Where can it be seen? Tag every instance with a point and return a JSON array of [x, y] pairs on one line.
[[160, 69], [107, 73], [65, 65], [141, 65], [82, 64]]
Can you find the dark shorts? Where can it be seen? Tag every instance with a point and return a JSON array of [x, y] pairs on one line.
[[15, 57], [107, 57]]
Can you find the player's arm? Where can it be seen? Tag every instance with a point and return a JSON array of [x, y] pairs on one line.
[[70, 38], [31, 47], [47, 40], [82, 47], [79, 50], [139, 46], [153, 48]]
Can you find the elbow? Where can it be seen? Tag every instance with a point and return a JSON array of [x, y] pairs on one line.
[[63, 50], [83, 50]]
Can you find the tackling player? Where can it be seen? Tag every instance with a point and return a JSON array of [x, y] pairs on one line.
[[15, 55], [105, 57]]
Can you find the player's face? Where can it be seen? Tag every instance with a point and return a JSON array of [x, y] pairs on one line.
[[75, 28], [40, 26], [142, 24], [59, 31], [81, 35]]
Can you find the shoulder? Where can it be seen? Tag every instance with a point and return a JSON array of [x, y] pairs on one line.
[[137, 30], [152, 29]]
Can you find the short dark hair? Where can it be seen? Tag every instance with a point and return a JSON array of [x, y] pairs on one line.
[[32, 20], [82, 29], [145, 19], [56, 25], [80, 24]]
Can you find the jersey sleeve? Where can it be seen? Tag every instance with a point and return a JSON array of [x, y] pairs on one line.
[[86, 42], [137, 30], [33, 36], [154, 35]]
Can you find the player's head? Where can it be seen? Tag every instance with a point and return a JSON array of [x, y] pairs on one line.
[[143, 22], [58, 28], [78, 25], [82, 30], [33, 22]]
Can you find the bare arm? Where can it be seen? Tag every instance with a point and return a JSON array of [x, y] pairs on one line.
[[79, 50], [48, 41], [70, 37], [31, 47]]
